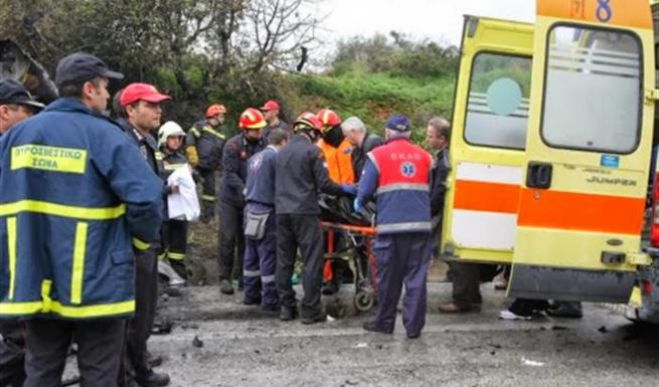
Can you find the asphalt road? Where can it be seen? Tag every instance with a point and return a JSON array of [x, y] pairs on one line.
[[242, 347]]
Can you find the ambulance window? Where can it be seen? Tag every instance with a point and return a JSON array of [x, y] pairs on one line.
[[498, 108], [592, 90]]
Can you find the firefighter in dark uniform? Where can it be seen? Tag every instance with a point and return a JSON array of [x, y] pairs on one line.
[[79, 193], [237, 151], [301, 174], [141, 106], [260, 231], [16, 104], [174, 231], [397, 175], [203, 146]]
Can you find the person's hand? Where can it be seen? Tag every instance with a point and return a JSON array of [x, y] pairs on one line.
[[357, 205], [349, 189], [174, 189]]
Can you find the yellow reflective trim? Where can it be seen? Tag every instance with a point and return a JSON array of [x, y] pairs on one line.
[[195, 132], [87, 311], [140, 245], [176, 256], [173, 167], [158, 156], [49, 158], [208, 198], [78, 269], [49, 208], [11, 240], [162, 256], [213, 132], [47, 302]]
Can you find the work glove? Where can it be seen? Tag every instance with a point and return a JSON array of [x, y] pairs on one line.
[[357, 205], [350, 189]]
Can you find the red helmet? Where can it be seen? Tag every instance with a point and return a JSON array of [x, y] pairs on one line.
[[214, 110], [328, 118], [252, 119], [307, 120]]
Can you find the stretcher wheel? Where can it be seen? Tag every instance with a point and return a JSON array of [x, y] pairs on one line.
[[364, 301]]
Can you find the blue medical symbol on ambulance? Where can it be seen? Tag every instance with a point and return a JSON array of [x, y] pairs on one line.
[[408, 169]]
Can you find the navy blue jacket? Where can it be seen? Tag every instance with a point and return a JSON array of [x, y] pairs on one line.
[[438, 182], [261, 177], [76, 192], [301, 175], [234, 163]]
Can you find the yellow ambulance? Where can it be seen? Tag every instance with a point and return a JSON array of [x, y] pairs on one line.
[[551, 148]]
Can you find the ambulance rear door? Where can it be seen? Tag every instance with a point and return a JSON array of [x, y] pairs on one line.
[[587, 157], [488, 138]]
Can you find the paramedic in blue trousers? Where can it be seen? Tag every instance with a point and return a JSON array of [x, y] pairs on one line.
[[397, 175], [16, 104], [261, 250], [141, 103], [80, 192]]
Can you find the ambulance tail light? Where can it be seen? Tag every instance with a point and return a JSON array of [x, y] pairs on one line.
[[646, 287]]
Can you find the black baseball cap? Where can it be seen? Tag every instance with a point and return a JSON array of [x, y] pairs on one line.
[[13, 92], [82, 67]]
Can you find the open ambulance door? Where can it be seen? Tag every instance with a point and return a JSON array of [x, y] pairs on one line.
[[488, 138], [587, 156]]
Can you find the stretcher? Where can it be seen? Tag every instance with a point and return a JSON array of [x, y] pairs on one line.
[[359, 247]]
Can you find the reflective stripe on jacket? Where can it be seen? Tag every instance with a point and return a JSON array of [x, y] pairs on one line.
[[76, 193], [397, 174], [209, 143]]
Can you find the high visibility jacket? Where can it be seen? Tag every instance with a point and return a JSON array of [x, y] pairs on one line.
[[75, 191], [208, 142], [339, 162], [397, 174]]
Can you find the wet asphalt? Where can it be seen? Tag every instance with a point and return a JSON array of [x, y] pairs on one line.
[[218, 341]]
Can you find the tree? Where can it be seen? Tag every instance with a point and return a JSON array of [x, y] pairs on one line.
[[193, 47]]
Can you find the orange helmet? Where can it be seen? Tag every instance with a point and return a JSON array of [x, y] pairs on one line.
[[328, 119], [214, 110], [307, 120], [252, 119]]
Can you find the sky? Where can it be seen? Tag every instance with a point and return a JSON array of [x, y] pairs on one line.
[[438, 20]]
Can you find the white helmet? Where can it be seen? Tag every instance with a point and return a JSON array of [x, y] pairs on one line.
[[169, 128]]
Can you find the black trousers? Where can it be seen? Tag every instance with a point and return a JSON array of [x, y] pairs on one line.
[[146, 300], [12, 354], [303, 232], [232, 238], [174, 239], [466, 283], [99, 351], [208, 185]]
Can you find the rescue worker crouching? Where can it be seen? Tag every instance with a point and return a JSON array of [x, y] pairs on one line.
[[80, 193], [260, 231], [338, 160], [397, 175], [237, 151], [300, 176], [16, 105], [174, 231], [203, 145]]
